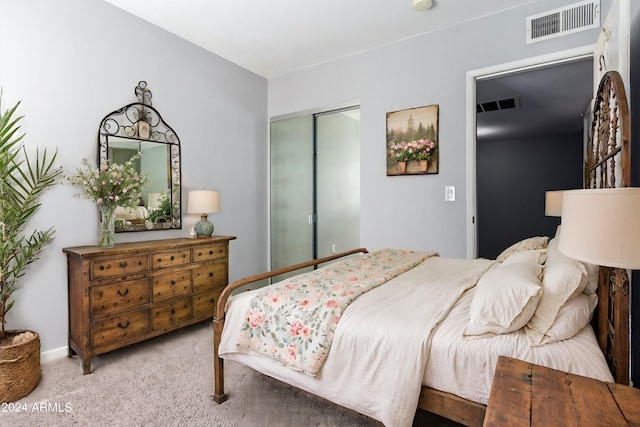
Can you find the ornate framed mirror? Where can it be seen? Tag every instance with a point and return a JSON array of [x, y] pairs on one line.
[[138, 127]]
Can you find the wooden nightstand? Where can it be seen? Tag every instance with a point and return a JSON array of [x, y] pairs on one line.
[[524, 394]]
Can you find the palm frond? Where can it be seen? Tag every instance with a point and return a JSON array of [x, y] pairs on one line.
[[22, 179]]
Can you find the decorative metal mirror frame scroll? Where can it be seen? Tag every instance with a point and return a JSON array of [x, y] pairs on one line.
[[140, 121], [610, 136]]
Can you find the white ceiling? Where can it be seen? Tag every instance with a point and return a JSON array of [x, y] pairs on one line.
[[275, 37]]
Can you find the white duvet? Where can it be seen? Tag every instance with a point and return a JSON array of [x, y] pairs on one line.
[[389, 343]]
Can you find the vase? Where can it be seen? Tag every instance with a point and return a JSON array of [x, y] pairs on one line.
[[402, 167], [108, 226], [424, 165]]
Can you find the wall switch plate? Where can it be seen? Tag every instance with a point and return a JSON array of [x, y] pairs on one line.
[[449, 193]]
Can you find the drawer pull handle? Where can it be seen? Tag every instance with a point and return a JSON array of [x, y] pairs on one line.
[[173, 311], [172, 257], [173, 282], [122, 264], [124, 325], [199, 253], [122, 294], [210, 252], [102, 267], [184, 255], [211, 274]]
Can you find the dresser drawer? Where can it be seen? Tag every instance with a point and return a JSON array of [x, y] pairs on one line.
[[170, 259], [165, 315], [106, 299], [113, 329], [210, 275], [167, 286], [205, 303], [107, 267], [209, 252]]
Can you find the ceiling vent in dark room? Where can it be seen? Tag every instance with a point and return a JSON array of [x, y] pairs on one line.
[[570, 19], [500, 104]]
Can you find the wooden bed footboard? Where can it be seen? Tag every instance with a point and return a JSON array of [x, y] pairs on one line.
[[219, 395]]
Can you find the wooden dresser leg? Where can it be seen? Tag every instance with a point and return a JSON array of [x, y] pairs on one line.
[[86, 366]]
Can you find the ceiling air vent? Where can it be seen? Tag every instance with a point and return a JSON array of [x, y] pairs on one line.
[[570, 19], [500, 104]]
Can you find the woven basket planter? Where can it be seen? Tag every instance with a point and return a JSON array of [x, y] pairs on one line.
[[19, 368]]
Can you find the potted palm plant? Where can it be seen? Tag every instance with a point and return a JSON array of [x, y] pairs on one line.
[[22, 179]]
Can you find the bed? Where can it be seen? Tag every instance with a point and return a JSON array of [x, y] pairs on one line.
[[436, 328]]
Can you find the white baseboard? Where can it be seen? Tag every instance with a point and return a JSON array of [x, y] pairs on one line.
[[54, 354]]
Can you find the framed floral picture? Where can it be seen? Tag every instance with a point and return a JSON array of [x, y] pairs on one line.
[[412, 141]]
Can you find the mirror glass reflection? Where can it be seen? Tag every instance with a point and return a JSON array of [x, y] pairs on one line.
[[154, 162]]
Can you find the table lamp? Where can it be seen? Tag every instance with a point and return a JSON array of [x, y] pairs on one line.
[[553, 203], [602, 226], [203, 202]]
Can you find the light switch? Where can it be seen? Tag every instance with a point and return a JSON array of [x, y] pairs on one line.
[[449, 193]]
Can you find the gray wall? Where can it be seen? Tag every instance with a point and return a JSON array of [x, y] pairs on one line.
[[410, 211], [512, 178], [71, 62]]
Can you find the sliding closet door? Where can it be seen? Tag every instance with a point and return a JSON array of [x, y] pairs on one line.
[[315, 186], [338, 182], [291, 191]]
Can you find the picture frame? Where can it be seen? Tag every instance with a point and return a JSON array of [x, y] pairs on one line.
[[412, 144]]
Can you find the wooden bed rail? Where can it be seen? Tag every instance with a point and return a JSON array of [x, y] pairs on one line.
[[219, 395]]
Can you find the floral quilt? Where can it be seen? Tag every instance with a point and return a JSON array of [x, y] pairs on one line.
[[294, 321]]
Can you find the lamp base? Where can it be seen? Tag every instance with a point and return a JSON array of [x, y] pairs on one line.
[[203, 228]]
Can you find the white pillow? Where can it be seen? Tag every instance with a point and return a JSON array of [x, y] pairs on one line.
[[553, 253], [593, 271], [532, 243], [572, 318], [504, 300], [562, 280], [593, 277], [537, 256]]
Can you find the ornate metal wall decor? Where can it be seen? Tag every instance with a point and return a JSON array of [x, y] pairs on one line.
[[141, 124], [610, 130]]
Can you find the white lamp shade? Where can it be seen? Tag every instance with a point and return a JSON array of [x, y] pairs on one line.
[[602, 226], [553, 203], [203, 202]]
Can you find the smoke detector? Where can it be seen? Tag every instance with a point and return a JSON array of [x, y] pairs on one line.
[[422, 4]]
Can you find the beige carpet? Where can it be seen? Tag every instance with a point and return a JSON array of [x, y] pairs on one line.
[[168, 381]]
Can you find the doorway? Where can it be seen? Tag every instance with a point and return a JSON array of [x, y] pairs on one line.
[[473, 77]]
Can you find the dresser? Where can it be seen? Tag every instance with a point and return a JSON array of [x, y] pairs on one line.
[[135, 291]]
